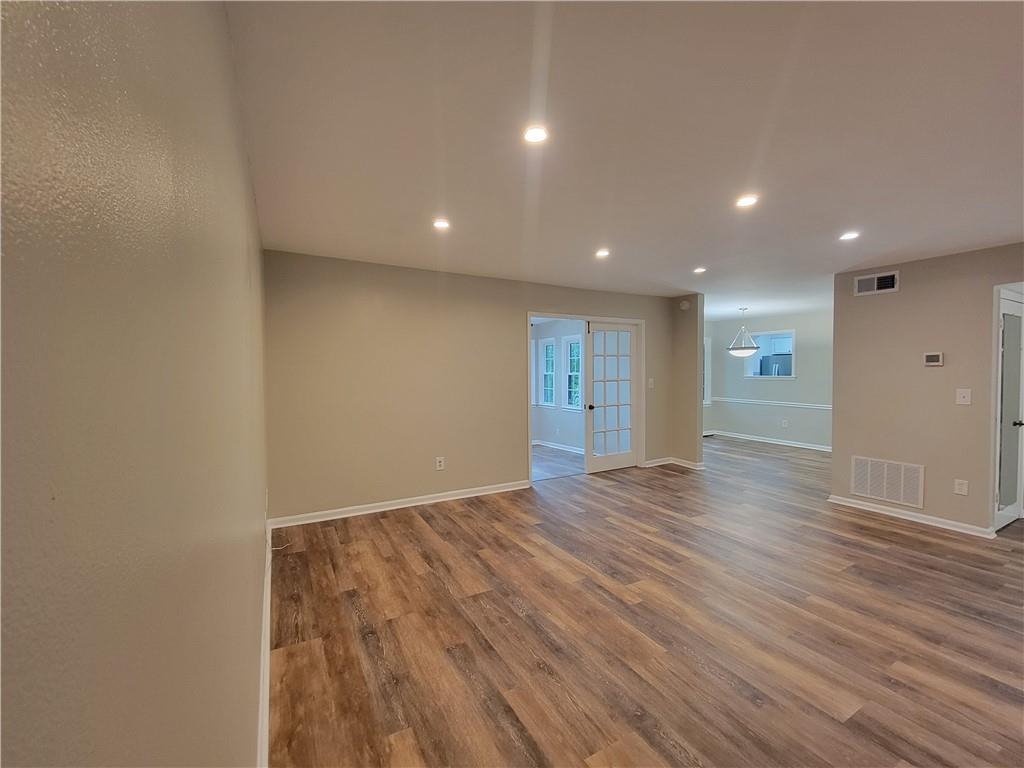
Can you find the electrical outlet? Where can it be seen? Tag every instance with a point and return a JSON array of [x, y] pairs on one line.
[[438, 463], [963, 397], [960, 487], [650, 383], [785, 423]]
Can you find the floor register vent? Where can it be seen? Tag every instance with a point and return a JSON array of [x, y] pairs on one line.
[[888, 481]]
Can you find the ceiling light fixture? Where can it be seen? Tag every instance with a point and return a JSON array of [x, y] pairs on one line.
[[602, 253], [851, 235], [535, 134], [441, 223], [700, 270], [743, 345], [746, 201]]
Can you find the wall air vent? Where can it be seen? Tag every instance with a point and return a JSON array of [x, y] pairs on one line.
[[888, 480], [883, 282]]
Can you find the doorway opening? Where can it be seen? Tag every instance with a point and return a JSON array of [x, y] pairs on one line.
[[586, 408], [556, 397], [1009, 405]]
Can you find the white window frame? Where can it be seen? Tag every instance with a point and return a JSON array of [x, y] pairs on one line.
[[707, 370], [541, 360], [748, 361], [566, 341], [533, 371]]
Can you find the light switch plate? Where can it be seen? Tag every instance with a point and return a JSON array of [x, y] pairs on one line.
[[963, 397]]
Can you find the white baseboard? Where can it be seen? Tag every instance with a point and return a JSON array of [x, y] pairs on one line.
[[673, 460], [558, 446], [263, 735], [772, 440], [383, 506], [917, 517]]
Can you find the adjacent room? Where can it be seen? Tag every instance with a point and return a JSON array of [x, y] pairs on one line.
[[512, 384], [556, 397], [768, 376]]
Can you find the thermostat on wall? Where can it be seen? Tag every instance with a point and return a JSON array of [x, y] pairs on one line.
[[933, 358]]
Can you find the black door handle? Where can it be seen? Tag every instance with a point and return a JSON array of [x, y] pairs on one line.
[[1016, 423], [590, 407]]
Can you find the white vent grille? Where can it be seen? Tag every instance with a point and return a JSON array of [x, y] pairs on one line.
[[888, 481], [882, 282]]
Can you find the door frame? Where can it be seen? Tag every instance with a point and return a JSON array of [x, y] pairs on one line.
[[994, 416], [640, 432]]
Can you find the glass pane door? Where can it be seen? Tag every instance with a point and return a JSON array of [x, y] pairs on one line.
[[610, 409]]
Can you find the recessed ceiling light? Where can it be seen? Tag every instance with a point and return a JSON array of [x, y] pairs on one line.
[[746, 201], [602, 253], [535, 134], [700, 270], [849, 235], [441, 223]]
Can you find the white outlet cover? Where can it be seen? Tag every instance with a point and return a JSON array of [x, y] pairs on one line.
[[963, 397], [960, 487]]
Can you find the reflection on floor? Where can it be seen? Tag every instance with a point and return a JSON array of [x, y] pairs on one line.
[[647, 617], [554, 462]]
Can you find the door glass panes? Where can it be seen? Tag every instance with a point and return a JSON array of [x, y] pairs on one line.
[[1009, 411], [612, 392]]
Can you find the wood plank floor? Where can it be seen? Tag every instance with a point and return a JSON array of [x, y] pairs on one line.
[[648, 617], [547, 462]]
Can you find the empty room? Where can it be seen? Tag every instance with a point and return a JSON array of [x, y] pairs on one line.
[[512, 384]]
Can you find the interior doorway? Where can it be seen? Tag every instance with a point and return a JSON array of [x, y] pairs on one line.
[[586, 405], [1009, 405], [557, 441]]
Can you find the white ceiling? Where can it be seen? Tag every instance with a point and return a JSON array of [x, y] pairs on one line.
[[366, 120]]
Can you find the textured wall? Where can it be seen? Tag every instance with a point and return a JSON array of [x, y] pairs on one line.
[[887, 405], [361, 360], [133, 436]]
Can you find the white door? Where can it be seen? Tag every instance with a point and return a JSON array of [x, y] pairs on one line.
[[1010, 414], [610, 375]]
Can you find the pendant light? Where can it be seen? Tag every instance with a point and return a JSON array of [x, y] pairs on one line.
[[743, 345]]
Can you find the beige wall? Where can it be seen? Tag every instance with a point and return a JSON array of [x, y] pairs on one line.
[[687, 364], [361, 361], [888, 405], [812, 384], [133, 436]]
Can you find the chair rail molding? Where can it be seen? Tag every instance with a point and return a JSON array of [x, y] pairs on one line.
[[780, 403]]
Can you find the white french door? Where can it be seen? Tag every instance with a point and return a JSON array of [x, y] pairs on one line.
[[1010, 413], [610, 374]]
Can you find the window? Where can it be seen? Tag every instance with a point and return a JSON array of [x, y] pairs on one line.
[[572, 352], [705, 381], [547, 388], [775, 358]]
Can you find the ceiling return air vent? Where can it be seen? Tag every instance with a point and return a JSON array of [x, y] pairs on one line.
[[888, 481], [883, 282]]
